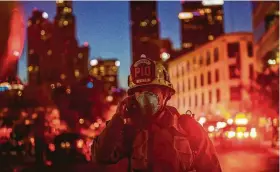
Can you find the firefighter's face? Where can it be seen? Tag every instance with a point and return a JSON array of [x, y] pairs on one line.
[[161, 94]]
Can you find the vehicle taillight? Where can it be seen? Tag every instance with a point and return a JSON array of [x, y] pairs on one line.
[[80, 143]]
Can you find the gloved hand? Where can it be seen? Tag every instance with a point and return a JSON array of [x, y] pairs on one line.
[[129, 110]]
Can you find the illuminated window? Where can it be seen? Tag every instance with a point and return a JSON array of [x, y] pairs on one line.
[[95, 71], [208, 58], [210, 37], [219, 18], [217, 76], [235, 93], [143, 24], [67, 10], [207, 10], [111, 79], [59, 1], [80, 55], [209, 78], [65, 22], [49, 52], [30, 68], [201, 11], [218, 94], [154, 22], [77, 73], [201, 80], [187, 45], [216, 54]]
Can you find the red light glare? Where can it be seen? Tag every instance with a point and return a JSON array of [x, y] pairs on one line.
[[85, 44], [35, 9]]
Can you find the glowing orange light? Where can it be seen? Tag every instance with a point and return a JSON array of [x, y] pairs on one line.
[[80, 143]]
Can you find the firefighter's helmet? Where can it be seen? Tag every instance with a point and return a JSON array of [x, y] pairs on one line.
[[146, 72]]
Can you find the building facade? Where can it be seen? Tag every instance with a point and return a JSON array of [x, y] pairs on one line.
[[208, 80], [40, 55], [266, 33], [200, 23], [144, 30]]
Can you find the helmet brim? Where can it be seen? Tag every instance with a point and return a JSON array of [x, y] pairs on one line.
[[132, 90]]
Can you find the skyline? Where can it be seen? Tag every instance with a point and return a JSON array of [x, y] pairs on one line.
[[110, 34]]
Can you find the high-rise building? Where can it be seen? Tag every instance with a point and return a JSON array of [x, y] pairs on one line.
[[65, 20], [53, 52], [266, 33], [66, 43], [40, 54], [144, 30], [200, 23], [107, 71], [208, 81]]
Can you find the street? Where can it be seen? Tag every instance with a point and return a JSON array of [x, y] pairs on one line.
[[263, 159]]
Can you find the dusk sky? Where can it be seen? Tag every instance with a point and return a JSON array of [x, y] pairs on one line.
[[105, 25]]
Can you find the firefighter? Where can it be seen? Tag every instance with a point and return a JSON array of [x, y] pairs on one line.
[[152, 135]]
